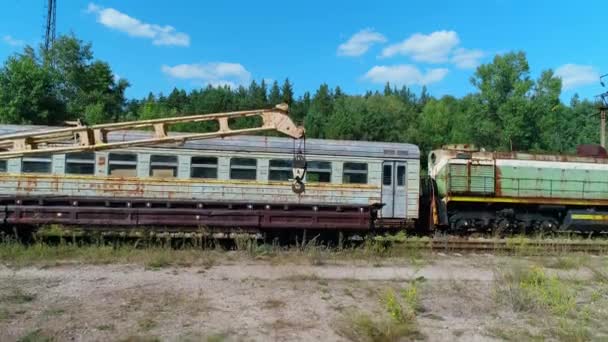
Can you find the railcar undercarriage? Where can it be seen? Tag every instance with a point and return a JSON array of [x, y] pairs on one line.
[[502, 218]]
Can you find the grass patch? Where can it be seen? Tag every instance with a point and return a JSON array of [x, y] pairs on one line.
[[17, 296], [359, 326], [273, 304], [35, 336], [559, 308], [397, 321], [105, 327], [53, 312], [567, 262], [147, 324]]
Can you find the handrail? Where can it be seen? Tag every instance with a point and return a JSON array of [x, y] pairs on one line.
[[555, 186]]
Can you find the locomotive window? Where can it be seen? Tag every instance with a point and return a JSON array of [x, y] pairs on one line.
[[122, 164], [355, 173], [2, 166], [203, 167], [280, 170], [318, 172], [243, 168], [387, 175], [37, 164], [80, 163], [400, 175], [163, 166]]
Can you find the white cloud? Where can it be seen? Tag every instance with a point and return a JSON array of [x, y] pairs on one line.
[[160, 35], [215, 74], [404, 74], [8, 39], [467, 59], [360, 42], [576, 75], [432, 48]]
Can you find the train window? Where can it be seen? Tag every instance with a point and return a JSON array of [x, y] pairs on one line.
[[80, 163], [243, 168], [2, 166], [163, 166], [280, 170], [203, 167], [36, 164], [355, 173], [318, 172], [122, 164], [387, 175], [400, 175]]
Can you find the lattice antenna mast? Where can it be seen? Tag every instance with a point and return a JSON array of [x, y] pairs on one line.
[[50, 23]]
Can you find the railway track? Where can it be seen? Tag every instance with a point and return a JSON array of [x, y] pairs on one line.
[[507, 245]]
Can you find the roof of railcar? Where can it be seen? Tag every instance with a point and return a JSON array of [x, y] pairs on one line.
[[250, 143]]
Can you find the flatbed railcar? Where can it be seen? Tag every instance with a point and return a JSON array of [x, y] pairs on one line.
[[239, 182]]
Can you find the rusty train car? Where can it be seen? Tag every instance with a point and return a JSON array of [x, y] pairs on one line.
[[234, 183], [475, 190], [245, 184]]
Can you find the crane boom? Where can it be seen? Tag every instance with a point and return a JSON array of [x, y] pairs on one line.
[[82, 138]]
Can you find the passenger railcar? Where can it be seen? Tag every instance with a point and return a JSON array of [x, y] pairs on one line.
[[240, 181]]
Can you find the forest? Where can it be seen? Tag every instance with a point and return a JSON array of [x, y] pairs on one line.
[[509, 110]]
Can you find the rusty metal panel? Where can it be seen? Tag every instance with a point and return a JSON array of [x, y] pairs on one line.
[[481, 179], [214, 190], [458, 178], [98, 213]]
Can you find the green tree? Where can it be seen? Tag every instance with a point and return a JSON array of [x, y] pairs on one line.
[[287, 92], [274, 98], [321, 108], [28, 92]]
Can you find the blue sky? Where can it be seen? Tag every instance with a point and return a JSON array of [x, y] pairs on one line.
[[358, 45]]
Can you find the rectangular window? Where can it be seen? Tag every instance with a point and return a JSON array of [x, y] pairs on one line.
[[203, 167], [400, 175], [2, 166], [280, 170], [318, 172], [243, 168], [163, 166], [37, 164], [122, 165], [80, 163], [355, 173], [387, 175]]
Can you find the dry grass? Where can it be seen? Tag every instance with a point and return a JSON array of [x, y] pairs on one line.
[[273, 304], [567, 310]]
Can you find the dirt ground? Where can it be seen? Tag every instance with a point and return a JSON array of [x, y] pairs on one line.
[[253, 300]]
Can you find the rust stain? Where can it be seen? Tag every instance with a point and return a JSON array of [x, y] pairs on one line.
[[497, 182], [55, 183], [549, 157]]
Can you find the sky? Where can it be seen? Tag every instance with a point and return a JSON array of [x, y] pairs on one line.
[[357, 45]]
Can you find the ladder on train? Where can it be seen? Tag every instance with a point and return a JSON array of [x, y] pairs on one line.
[[82, 138]]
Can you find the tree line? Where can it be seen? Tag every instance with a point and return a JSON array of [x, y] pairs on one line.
[[509, 110]]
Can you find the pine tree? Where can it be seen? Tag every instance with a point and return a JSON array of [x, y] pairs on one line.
[[275, 94], [387, 89], [287, 92]]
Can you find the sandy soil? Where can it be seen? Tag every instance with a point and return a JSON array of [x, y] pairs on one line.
[[252, 300]]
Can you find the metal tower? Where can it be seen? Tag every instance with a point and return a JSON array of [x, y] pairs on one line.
[[49, 30]]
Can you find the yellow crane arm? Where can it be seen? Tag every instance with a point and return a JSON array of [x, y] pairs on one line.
[[95, 138]]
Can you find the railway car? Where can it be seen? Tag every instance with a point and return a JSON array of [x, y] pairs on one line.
[[472, 189], [233, 182]]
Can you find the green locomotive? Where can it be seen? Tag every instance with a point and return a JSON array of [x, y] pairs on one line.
[[472, 189]]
